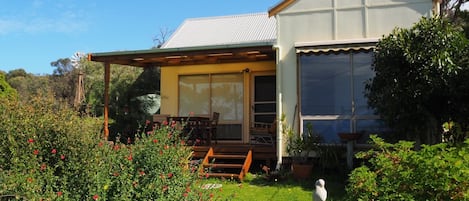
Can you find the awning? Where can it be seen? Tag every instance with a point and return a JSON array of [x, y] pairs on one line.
[[249, 52], [336, 46]]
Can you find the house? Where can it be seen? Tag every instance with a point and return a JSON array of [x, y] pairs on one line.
[[305, 59]]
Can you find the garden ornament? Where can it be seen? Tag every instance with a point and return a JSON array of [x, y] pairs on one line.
[[320, 193]]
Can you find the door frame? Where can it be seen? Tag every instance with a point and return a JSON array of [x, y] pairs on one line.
[[250, 107]]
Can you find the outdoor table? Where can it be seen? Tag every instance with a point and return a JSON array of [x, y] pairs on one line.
[[194, 127]]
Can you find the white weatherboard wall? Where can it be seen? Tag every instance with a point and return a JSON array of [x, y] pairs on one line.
[[325, 21]]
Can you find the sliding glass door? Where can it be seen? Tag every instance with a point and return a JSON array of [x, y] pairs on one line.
[[208, 93]]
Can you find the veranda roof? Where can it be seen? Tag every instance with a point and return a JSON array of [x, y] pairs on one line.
[[211, 40]]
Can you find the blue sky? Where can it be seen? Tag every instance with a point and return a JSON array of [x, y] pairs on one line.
[[34, 33]]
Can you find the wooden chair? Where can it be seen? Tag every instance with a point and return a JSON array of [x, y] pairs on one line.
[[263, 133], [211, 128], [158, 120]]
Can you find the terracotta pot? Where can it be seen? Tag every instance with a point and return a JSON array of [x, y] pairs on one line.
[[302, 171]]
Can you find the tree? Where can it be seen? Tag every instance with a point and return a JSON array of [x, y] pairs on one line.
[[451, 9], [422, 79], [27, 85], [162, 36], [63, 80], [6, 91]]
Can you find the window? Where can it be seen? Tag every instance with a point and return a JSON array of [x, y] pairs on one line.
[[332, 93]]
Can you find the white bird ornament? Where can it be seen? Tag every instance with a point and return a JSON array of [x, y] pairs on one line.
[[320, 193]]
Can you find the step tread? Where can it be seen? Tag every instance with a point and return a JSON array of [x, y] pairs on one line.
[[223, 165], [228, 175], [227, 156]]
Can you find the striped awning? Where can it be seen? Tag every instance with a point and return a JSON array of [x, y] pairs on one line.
[[336, 46]]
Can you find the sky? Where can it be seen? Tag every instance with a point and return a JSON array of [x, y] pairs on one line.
[[34, 33]]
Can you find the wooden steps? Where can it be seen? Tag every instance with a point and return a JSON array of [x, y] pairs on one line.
[[227, 165], [259, 152], [223, 165]]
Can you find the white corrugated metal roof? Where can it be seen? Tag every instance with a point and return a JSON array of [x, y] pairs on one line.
[[224, 30]]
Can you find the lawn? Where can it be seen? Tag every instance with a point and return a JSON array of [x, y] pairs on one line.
[[257, 187]]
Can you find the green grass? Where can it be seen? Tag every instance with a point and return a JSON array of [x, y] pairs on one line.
[[257, 187]]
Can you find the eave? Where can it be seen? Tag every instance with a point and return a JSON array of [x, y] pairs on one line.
[[279, 7], [250, 52]]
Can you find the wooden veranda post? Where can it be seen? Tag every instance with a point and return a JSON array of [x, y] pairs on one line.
[[107, 76]]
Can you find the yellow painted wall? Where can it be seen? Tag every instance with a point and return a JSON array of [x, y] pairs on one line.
[[170, 78]]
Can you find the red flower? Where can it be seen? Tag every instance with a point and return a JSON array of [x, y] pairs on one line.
[[53, 151], [43, 167], [59, 193], [185, 194], [165, 188], [141, 172], [95, 197], [183, 142], [188, 190], [211, 195], [165, 122], [62, 157], [170, 175], [166, 147], [36, 152], [100, 144], [116, 147], [129, 157], [147, 122], [30, 140], [155, 141], [206, 175], [29, 179]]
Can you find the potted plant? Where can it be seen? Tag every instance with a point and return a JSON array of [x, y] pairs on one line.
[[300, 148]]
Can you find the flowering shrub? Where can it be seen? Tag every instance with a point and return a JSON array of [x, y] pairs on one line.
[[155, 167], [50, 153], [397, 172]]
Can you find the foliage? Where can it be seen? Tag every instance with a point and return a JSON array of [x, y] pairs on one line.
[[397, 172], [421, 79], [48, 152], [451, 8], [299, 147], [28, 85], [6, 91], [43, 148], [453, 133]]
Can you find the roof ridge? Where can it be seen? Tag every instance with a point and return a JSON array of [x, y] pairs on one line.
[[227, 16]]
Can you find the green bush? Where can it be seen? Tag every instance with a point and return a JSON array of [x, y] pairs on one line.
[[49, 152], [43, 148], [398, 172], [156, 166]]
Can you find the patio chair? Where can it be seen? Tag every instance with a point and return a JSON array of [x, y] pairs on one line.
[[211, 127], [158, 120], [263, 133]]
